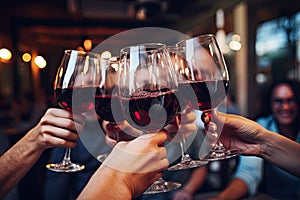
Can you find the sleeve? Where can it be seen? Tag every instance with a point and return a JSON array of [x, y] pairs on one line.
[[249, 170]]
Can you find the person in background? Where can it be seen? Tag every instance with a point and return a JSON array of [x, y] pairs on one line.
[[253, 174]]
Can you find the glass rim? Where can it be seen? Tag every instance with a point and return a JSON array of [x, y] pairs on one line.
[[81, 53], [205, 38], [127, 48]]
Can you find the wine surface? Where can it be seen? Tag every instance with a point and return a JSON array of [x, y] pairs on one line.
[[76, 99], [209, 94]]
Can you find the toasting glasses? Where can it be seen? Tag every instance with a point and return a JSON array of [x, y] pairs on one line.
[[207, 74], [147, 83], [74, 89]]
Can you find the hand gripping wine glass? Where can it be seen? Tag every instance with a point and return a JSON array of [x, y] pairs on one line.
[[147, 84], [177, 56], [207, 73], [74, 90]]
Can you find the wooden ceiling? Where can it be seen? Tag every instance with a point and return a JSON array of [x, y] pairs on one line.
[[49, 25]]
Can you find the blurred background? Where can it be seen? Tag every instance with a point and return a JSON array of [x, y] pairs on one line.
[[260, 38]]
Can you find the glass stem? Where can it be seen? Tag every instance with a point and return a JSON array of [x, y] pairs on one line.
[[219, 146], [67, 157], [185, 157], [182, 145]]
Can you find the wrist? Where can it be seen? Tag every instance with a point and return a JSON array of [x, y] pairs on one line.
[[117, 180]]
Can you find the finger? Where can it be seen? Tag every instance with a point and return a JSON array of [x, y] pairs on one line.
[[212, 127], [128, 129], [66, 123], [160, 137], [59, 132], [111, 142], [188, 117], [162, 153], [60, 113], [51, 141], [206, 117]]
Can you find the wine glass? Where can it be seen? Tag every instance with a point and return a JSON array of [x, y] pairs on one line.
[[207, 73], [177, 56], [107, 104], [147, 83], [74, 90], [105, 96]]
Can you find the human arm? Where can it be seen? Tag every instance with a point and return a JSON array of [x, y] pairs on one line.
[[237, 189], [195, 182], [253, 139], [246, 179], [56, 128], [129, 169]]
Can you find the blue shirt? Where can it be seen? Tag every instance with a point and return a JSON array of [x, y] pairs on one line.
[[277, 182]]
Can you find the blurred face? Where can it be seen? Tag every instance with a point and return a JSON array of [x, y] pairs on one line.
[[284, 106]]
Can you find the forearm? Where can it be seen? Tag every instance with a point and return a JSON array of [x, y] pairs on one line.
[[106, 184], [196, 181], [237, 189], [282, 152], [16, 162]]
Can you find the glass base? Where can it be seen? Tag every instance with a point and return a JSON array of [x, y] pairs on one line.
[[222, 154], [188, 165], [65, 167], [161, 186], [102, 157]]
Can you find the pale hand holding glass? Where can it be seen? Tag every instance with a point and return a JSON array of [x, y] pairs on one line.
[[147, 83], [74, 90]]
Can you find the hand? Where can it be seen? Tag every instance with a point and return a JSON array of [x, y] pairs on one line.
[[143, 154], [182, 195], [183, 125], [57, 127], [122, 131], [129, 169], [236, 131]]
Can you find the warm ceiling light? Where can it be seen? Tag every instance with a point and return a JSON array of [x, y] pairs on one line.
[[5, 54], [235, 45], [106, 54], [87, 44], [26, 57], [40, 62]]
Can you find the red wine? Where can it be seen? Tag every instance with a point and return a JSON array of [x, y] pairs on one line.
[[209, 94], [107, 105], [150, 111], [76, 99]]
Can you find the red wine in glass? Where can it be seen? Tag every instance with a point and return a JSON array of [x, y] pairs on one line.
[[107, 105], [205, 70], [209, 93], [150, 111], [84, 99]]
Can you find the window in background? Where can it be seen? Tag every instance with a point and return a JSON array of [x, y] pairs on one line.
[[277, 49]]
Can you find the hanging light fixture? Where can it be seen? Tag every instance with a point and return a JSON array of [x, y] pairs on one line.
[[220, 34]]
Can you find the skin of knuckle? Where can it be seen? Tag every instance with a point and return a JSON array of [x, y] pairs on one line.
[[70, 124]]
